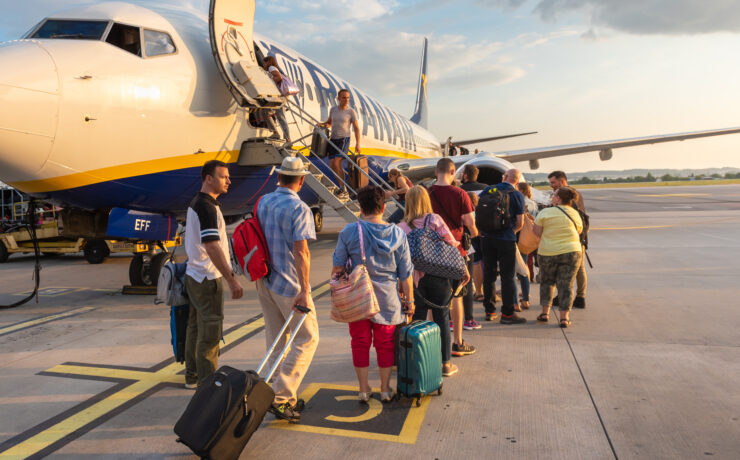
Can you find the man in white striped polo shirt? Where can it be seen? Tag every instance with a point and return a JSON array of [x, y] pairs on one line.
[[208, 262]]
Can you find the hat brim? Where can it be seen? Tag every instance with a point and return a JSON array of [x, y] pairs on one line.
[[289, 172]]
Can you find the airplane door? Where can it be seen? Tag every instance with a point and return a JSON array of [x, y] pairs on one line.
[[231, 25]]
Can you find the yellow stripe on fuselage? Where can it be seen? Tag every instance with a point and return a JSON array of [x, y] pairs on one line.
[[142, 168]]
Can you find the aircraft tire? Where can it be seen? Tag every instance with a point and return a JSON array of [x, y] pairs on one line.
[[318, 219], [146, 273], [155, 266], [3, 253], [136, 269], [96, 251]]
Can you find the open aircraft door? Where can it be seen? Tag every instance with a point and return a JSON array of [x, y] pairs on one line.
[[231, 26]]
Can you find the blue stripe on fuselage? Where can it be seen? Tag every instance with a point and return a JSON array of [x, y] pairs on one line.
[[170, 192]]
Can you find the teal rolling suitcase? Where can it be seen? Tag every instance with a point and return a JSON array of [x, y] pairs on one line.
[[419, 360]]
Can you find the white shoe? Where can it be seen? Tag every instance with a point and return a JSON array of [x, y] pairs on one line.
[[364, 397], [387, 396]]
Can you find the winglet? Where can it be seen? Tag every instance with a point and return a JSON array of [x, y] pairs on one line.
[[420, 113]]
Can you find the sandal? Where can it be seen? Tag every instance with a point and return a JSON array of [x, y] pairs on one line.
[[364, 397], [517, 307], [387, 396], [564, 322], [543, 318], [524, 304]]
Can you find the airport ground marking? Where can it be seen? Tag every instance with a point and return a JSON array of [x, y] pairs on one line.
[[644, 227], [43, 319], [408, 433], [132, 386]]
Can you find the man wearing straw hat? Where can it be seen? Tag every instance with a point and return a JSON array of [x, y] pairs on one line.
[[287, 223]]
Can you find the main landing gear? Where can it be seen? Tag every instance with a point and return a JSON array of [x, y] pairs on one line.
[[145, 267]]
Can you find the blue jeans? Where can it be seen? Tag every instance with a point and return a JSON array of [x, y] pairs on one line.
[[524, 283], [439, 291]]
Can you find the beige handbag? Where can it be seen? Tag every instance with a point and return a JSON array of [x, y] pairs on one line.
[[528, 241], [352, 294]]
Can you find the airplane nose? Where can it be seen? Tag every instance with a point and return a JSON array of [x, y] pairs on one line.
[[29, 102]]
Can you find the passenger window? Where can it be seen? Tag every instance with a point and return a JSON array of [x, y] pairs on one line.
[[158, 43], [125, 37]]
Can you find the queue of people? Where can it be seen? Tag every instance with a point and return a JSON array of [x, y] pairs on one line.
[[402, 291]]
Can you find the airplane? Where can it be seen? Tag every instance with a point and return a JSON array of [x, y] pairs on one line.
[[111, 109]]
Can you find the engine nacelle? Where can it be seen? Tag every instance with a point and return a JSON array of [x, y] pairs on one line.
[[605, 155], [491, 169], [534, 164]]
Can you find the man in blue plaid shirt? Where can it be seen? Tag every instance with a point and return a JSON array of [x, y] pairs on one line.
[[287, 223]]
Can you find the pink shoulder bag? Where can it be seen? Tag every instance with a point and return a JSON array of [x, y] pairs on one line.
[[352, 294]]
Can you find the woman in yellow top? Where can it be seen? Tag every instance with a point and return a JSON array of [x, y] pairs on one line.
[[559, 253]]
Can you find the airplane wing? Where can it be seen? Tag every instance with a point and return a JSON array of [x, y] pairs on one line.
[[605, 147], [420, 169], [487, 139]]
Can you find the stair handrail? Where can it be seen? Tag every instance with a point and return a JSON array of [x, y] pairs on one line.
[[380, 181]]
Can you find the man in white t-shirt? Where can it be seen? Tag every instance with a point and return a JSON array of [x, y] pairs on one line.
[[208, 262], [340, 120]]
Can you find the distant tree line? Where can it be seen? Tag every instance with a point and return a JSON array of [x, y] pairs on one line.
[[649, 178]]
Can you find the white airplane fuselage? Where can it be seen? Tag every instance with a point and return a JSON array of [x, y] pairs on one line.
[[91, 125]]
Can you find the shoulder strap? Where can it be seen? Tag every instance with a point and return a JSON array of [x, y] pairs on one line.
[[362, 243], [568, 216], [431, 193], [579, 235], [426, 219]]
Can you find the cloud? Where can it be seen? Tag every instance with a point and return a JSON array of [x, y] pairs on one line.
[[670, 17]]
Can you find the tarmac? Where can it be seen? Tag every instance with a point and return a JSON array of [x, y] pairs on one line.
[[650, 369]]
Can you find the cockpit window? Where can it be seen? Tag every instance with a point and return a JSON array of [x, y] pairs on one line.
[[63, 28], [157, 43], [125, 37]]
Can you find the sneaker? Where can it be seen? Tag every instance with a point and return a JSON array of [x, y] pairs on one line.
[[451, 370], [491, 316], [512, 319], [471, 325], [462, 349], [579, 302], [285, 411], [299, 405], [191, 386]]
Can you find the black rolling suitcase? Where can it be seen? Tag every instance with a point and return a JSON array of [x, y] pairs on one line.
[[228, 407]]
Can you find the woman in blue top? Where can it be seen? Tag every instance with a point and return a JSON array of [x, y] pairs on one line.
[[389, 264]]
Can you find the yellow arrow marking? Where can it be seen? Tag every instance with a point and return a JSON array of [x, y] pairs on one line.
[[45, 319], [373, 410], [143, 381]]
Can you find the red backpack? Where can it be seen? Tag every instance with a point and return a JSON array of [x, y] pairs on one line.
[[250, 247]]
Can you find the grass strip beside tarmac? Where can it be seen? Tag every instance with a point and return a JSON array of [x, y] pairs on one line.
[[650, 184]]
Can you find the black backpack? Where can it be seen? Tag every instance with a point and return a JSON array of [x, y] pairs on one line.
[[493, 212]]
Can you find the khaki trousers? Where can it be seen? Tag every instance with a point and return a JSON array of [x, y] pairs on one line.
[[289, 375], [581, 278], [205, 327]]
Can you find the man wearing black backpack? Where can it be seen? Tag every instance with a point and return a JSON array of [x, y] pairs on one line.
[[559, 179], [499, 216]]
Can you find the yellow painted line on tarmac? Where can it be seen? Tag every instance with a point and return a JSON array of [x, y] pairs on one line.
[[408, 434], [142, 381], [631, 228], [673, 194], [43, 319], [319, 291]]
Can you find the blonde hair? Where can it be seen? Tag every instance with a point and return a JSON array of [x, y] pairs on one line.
[[417, 204]]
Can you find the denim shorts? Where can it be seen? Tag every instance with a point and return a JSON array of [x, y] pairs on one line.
[[342, 144]]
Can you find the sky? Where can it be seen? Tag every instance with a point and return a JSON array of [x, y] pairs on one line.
[[573, 70]]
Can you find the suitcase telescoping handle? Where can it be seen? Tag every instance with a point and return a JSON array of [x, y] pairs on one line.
[[275, 365]]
